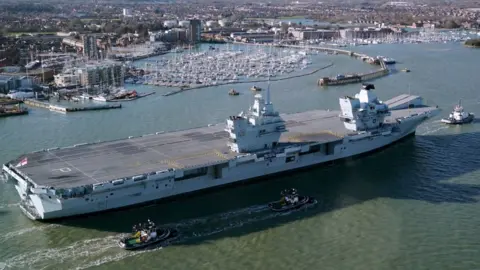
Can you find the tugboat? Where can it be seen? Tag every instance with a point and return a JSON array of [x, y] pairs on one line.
[[256, 88], [458, 116], [232, 92], [147, 234], [290, 200]]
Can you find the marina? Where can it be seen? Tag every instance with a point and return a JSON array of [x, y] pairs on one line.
[[214, 67]]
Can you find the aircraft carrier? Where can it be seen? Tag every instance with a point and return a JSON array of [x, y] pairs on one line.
[[88, 178]]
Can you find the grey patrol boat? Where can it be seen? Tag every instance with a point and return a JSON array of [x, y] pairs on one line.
[[94, 177]]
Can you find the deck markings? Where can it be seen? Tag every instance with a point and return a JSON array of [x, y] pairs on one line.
[[220, 154], [71, 165]]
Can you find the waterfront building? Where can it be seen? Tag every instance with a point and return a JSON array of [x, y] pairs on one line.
[[106, 74], [90, 49], [194, 31], [87, 45], [253, 37], [314, 34], [9, 82], [171, 35], [365, 33], [67, 79]]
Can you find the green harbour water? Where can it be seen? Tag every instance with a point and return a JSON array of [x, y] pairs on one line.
[[412, 206]]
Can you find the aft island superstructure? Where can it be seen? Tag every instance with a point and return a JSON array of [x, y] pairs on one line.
[[95, 177]]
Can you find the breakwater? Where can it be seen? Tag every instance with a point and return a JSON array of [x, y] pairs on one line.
[[253, 81], [353, 78]]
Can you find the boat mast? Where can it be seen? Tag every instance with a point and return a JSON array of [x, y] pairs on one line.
[[267, 101]]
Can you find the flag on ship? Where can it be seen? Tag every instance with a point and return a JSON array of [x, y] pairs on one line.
[[23, 162]]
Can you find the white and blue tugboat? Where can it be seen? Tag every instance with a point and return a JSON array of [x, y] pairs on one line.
[[458, 116]]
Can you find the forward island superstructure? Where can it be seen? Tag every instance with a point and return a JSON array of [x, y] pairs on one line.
[[96, 177]]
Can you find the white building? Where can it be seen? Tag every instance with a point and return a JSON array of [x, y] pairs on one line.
[[224, 22], [127, 12], [183, 24], [65, 80], [211, 23], [170, 23]]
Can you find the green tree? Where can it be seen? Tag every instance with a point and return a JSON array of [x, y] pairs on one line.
[[473, 43], [451, 24]]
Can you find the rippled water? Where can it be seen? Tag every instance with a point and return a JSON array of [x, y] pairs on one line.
[[412, 206]]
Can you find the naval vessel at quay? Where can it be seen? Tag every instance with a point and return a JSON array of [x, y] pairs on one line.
[[94, 177]]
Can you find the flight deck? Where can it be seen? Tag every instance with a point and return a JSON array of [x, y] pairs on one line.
[[94, 163]]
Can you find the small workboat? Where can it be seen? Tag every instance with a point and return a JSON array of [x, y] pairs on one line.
[[406, 70], [291, 200], [458, 116], [256, 88], [232, 92], [146, 235]]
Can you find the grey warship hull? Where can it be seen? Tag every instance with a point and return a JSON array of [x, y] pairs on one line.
[[89, 178]]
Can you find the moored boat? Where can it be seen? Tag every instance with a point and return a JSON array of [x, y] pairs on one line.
[[291, 200]]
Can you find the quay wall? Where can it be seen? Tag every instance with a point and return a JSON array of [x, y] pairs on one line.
[[61, 109]]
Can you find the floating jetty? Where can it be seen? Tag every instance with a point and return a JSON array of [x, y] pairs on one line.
[[140, 95], [9, 107], [355, 78], [62, 109]]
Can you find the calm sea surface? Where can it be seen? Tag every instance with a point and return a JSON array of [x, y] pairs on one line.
[[412, 206]]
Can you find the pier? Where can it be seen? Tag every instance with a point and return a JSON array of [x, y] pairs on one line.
[[63, 109]]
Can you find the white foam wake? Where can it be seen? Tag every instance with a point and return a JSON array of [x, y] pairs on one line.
[[27, 230], [186, 236], [57, 256], [9, 205], [97, 251]]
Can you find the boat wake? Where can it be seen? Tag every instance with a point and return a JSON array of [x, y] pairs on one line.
[[9, 205], [191, 233], [218, 217], [432, 127], [97, 251], [86, 250], [13, 234]]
